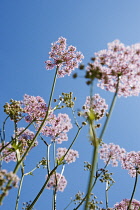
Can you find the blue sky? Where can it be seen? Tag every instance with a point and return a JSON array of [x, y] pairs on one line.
[[27, 30]]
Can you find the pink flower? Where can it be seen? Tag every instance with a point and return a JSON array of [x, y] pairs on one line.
[[131, 162], [123, 62], [57, 182], [111, 153], [7, 153], [70, 156], [66, 59], [97, 104], [5, 177], [57, 127], [25, 139], [35, 107], [124, 204]]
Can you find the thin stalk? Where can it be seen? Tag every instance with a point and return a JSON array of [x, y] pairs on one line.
[[54, 153], [54, 199], [55, 190], [3, 129], [6, 145], [48, 153], [37, 133], [48, 158], [68, 204], [42, 189], [110, 111], [26, 128], [96, 178], [92, 174], [49, 175], [20, 187], [76, 123], [134, 189], [72, 142], [106, 195]]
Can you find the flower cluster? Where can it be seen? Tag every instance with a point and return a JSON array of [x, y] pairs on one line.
[[14, 110], [131, 162], [111, 153], [25, 138], [119, 63], [123, 205], [70, 156], [97, 104], [35, 107], [57, 182], [8, 153], [4, 178], [67, 59], [21, 141], [57, 127]]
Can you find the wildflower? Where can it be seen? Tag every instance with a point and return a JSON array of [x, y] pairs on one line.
[[57, 127], [57, 182], [119, 63], [131, 162], [70, 156], [6, 177], [8, 153], [123, 205], [67, 59], [25, 139], [111, 153], [35, 107], [97, 104], [20, 142]]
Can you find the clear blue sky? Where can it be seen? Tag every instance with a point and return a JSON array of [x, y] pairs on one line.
[[27, 30]]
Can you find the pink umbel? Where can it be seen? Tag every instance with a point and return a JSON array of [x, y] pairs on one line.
[[123, 62], [70, 156], [66, 58], [97, 104], [57, 182]]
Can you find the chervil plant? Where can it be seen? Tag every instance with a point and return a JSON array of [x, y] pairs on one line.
[[116, 69]]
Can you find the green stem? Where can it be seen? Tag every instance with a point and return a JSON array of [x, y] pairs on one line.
[[54, 199], [92, 174], [42, 189], [96, 178], [48, 158], [134, 189], [68, 204], [26, 128], [110, 111], [106, 195], [49, 175], [43, 122], [72, 142], [6, 145], [54, 153], [37, 133], [19, 189], [3, 129]]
